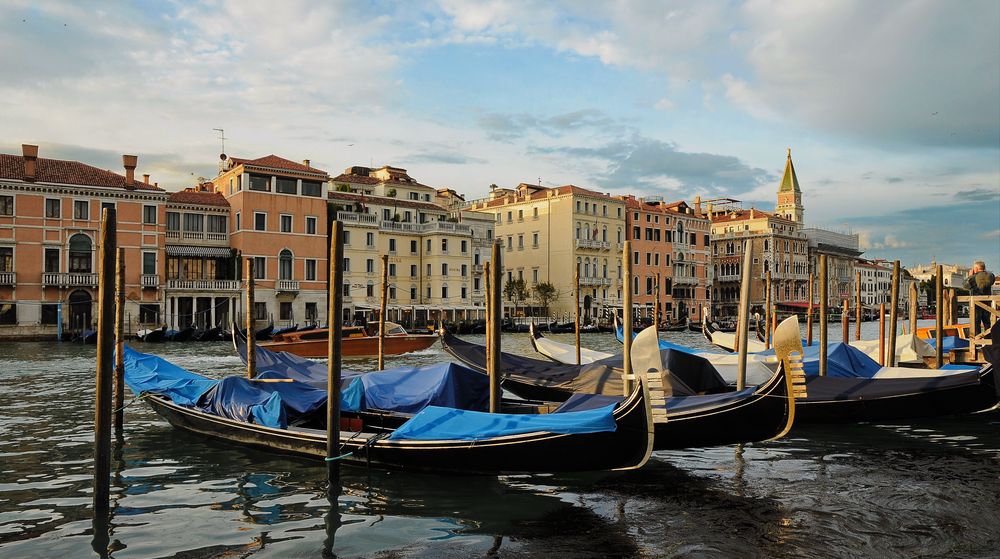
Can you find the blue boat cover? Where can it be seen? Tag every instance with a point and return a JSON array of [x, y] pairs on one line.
[[580, 402], [238, 398], [149, 373], [842, 360], [281, 364], [411, 389], [949, 343], [435, 423]]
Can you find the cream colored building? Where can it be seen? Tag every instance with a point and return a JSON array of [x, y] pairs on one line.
[[548, 233], [432, 251]]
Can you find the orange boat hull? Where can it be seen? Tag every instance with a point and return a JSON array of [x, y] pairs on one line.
[[366, 346]]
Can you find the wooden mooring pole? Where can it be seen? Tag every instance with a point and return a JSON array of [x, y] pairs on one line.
[[809, 312], [381, 313], [938, 317], [857, 306], [767, 310], [487, 304], [743, 317], [627, 317], [893, 316], [881, 334], [914, 307], [119, 405], [251, 332], [844, 320], [656, 302], [576, 322], [496, 313], [335, 318], [108, 251], [823, 319]]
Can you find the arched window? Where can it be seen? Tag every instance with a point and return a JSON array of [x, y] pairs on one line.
[[80, 254], [285, 264], [586, 268]]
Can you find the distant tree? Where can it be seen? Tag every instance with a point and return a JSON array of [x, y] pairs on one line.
[[343, 188], [545, 293], [516, 291]]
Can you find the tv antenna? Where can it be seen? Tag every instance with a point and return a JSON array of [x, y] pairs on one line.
[[222, 136]]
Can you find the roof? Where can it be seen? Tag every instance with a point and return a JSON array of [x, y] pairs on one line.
[[385, 201], [189, 196], [789, 182], [679, 207], [356, 179], [213, 252], [541, 193], [68, 172], [274, 162], [742, 215]]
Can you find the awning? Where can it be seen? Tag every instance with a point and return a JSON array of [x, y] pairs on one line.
[[212, 252]]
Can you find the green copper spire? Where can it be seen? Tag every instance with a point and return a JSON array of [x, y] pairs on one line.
[[789, 182]]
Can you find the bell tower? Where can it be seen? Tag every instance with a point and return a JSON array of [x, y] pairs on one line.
[[789, 196]]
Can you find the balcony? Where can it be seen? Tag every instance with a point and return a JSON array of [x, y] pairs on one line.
[[685, 280], [595, 281], [287, 286], [592, 244], [726, 277], [70, 279], [351, 218], [203, 285], [212, 238], [477, 268], [150, 281], [7, 278]]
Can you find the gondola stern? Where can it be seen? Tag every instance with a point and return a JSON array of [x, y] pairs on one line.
[[788, 348]]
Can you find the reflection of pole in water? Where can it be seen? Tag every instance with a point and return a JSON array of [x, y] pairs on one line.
[[740, 469], [332, 522]]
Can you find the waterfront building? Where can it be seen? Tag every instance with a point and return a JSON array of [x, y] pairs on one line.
[[50, 213], [842, 252], [671, 240], [953, 274], [548, 233], [876, 285], [436, 251], [278, 210]]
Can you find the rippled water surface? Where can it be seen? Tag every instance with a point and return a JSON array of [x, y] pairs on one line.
[[928, 488]]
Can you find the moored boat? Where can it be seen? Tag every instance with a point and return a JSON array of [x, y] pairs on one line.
[[358, 341]]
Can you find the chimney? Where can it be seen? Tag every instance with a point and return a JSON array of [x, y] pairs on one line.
[[130, 162], [306, 163], [30, 154], [145, 178], [697, 205], [752, 216], [710, 212]]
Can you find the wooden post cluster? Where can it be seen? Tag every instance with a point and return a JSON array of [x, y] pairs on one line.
[[881, 334], [893, 316], [627, 317], [119, 404], [251, 332], [335, 318], [914, 307], [743, 317], [576, 321], [857, 306], [108, 250], [496, 311], [939, 316], [823, 322], [767, 310], [381, 313], [809, 313]]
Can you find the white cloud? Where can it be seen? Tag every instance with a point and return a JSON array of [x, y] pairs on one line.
[[664, 104]]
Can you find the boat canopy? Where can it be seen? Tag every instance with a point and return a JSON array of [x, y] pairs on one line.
[[437, 423]]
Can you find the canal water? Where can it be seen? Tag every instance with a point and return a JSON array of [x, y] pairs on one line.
[[924, 488]]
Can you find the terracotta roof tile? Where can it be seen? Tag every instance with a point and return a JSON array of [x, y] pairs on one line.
[[542, 192], [189, 196], [356, 179], [68, 172], [384, 201], [274, 162]]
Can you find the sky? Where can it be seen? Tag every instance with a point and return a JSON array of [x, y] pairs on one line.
[[891, 109]]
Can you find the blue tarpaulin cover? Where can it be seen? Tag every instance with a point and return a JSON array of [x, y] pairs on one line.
[[411, 389], [949, 343], [842, 360], [149, 373], [435, 423], [238, 398]]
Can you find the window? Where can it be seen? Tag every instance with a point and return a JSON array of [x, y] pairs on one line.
[[370, 239], [392, 245], [413, 270], [347, 264], [80, 253], [238, 221], [310, 225], [475, 284], [444, 269], [534, 275], [149, 263], [6, 259], [258, 182], [413, 293], [217, 224], [259, 267], [53, 208], [347, 238], [465, 246], [311, 314], [534, 213], [285, 310], [370, 290], [52, 260], [520, 215], [520, 242], [105, 206], [260, 310], [444, 291], [392, 292], [428, 269], [50, 313], [81, 209], [392, 270], [6, 205], [260, 221], [194, 222], [414, 196], [370, 266], [312, 188], [428, 246], [149, 215], [465, 292], [286, 186], [286, 223], [444, 245], [346, 290], [310, 269], [413, 247], [510, 217]]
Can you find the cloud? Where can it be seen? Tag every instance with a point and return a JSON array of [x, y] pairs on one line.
[[991, 234], [507, 127], [664, 104], [978, 195], [893, 180]]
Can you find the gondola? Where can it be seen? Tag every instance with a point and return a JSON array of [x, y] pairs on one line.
[[694, 326], [698, 407], [181, 335], [890, 393], [213, 334], [152, 335], [727, 340], [289, 417], [285, 330], [261, 335], [86, 337]]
